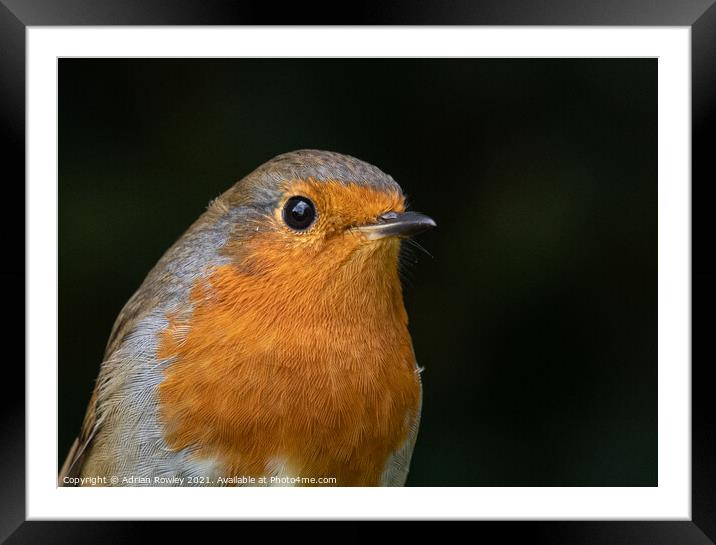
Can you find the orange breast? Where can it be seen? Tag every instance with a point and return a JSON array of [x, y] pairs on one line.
[[312, 365]]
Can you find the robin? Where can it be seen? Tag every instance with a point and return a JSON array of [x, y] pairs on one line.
[[269, 345]]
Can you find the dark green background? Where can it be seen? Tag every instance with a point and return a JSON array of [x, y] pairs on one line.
[[536, 319]]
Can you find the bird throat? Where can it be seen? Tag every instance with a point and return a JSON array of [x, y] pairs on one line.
[[309, 365]]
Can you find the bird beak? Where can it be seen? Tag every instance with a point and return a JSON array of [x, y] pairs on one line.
[[396, 224]]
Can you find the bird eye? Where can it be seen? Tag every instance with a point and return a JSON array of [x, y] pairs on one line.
[[299, 213]]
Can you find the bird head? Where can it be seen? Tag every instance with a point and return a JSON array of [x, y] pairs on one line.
[[319, 218]]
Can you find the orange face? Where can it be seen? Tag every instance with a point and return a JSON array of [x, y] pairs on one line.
[[332, 238], [296, 353]]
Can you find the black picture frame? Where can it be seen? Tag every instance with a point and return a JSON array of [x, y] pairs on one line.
[[700, 15]]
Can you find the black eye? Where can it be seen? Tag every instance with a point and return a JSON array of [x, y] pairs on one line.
[[299, 213]]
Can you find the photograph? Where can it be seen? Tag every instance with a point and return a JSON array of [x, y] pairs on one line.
[[417, 263], [358, 272]]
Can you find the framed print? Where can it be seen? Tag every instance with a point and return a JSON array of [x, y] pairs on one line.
[[431, 267]]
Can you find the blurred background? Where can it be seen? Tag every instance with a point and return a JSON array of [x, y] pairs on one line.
[[536, 317]]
